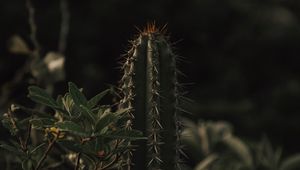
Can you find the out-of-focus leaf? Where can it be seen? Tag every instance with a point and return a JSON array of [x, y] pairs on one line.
[[291, 163], [77, 96], [95, 100], [266, 155], [17, 45], [55, 65], [72, 127], [207, 162], [239, 148], [193, 140]]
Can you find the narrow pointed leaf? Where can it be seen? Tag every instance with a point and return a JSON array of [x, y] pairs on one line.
[[41, 96], [72, 127], [40, 123], [88, 114], [76, 94], [105, 121]]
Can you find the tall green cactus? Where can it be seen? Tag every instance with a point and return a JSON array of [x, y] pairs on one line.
[[149, 87]]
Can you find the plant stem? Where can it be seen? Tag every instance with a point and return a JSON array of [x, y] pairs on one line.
[[64, 28], [28, 135], [33, 28], [77, 161], [50, 146]]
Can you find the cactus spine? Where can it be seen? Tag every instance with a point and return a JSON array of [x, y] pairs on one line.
[[149, 87]]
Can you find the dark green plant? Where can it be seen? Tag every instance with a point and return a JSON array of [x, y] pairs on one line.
[[268, 158], [214, 147], [150, 90], [86, 135]]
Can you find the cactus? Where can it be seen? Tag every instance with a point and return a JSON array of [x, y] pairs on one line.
[[149, 87]]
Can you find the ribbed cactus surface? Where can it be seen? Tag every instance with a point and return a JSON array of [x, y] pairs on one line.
[[149, 87]]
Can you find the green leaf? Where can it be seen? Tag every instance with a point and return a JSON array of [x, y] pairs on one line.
[[94, 101], [239, 148], [41, 96], [125, 134], [41, 123], [71, 145], [88, 114], [105, 121], [59, 101], [68, 102], [72, 127], [77, 96], [98, 143], [27, 164], [11, 149], [37, 148]]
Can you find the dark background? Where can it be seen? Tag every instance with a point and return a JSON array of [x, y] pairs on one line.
[[240, 56]]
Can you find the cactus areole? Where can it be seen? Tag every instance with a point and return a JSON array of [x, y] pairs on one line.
[[149, 87]]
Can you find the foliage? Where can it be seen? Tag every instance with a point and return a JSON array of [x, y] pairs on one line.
[[215, 147], [74, 126]]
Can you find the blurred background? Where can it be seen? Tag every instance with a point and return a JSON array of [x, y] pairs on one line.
[[240, 58]]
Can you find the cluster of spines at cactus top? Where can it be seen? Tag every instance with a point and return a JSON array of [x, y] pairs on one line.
[[150, 89]]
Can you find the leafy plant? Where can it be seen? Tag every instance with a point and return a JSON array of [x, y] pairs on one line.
[[214, 147], [268, 158], [87, 134]]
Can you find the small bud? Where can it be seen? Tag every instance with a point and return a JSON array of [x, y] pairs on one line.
[[17, 45], [13, 108]]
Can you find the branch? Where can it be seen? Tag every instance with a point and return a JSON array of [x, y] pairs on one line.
[[50, 146], [28, 135], [33, 28], [64, 29], [77, 165]]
